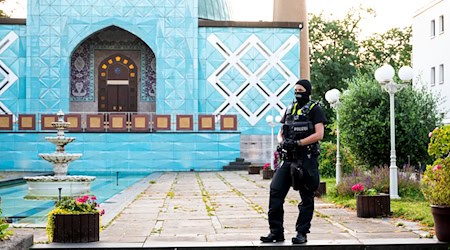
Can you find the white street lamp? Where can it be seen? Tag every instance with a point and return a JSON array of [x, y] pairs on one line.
[[272, 124], [332, 97], [384, 76]]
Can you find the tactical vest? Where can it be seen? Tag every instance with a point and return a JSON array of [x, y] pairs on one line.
[[297, 123]]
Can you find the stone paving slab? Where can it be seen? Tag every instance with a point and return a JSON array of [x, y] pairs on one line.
[[216, 206], [224, 207]]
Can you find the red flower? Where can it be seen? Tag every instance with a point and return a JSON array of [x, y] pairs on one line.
[[437, 167], [357, 188], [266, 166]]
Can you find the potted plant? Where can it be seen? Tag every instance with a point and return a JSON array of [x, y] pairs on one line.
[[75, 220], [435, 184], [253, 169], [267, 172], [369, 203]]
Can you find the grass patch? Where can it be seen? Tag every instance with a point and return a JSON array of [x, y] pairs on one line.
[[410, 208], [170, 194]]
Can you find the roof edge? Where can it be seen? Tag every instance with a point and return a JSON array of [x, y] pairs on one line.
[[7, 20], [243, 24]]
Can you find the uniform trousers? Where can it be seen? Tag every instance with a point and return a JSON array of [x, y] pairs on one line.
[[279, 188]]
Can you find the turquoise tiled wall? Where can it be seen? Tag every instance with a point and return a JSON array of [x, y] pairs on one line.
[[240, 56], [13, 60], [124, 152], [187, 56], [55, 28]]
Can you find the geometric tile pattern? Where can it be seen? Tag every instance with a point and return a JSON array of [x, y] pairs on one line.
[[248, 72], [7, 76], [253, 60], [56, 28]]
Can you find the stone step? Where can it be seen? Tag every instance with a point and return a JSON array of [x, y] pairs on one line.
[[234, 168], [240, 160], [240, 163], [372, 244]]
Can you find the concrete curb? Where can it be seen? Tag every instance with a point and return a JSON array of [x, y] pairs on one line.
[[17, 242]]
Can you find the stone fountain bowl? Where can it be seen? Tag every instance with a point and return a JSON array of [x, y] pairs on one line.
[[60, 124], [60, 158], [59, 140]]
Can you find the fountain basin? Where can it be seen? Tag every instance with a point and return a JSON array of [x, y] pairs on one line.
[[60, 157], [47, 187], [59, 140]]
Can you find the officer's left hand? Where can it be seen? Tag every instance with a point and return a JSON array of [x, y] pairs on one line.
[[289, 144]]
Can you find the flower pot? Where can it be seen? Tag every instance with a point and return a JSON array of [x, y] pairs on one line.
[[76, 228], [373, 205], [253, 169], [267, 174], [441, 216], [321, 190]]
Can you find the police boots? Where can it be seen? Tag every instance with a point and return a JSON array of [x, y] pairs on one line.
[[299, 239], [271, 237]]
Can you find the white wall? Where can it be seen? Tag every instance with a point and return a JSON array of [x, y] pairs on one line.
[[431, 51]]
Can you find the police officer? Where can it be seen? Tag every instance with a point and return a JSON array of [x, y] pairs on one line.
[[302, 153]]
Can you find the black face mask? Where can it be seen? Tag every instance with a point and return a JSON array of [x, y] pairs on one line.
[[302, 98]]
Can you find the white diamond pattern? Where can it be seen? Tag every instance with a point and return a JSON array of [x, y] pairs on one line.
[[233, 99], [9, 78]]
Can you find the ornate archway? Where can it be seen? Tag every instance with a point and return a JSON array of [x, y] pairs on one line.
[[85, 72]]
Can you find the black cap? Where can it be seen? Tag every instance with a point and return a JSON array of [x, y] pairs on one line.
[[306, 84]]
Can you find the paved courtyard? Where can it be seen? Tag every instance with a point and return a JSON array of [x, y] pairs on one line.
[[215, 207]]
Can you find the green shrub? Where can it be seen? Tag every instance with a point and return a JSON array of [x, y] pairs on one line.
[[436, 179], [378, 179], [365, 121], [5, 233], [327, 159]]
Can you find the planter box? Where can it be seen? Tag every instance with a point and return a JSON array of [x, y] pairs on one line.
[[321, 190], [253, 169], [267, 174], [441, 217], [76, 228], [373, 205]]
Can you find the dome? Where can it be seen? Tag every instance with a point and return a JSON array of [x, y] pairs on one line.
[[214, 10]]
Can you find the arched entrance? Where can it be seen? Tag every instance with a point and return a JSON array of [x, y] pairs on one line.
[[121, 89], [117, 81]]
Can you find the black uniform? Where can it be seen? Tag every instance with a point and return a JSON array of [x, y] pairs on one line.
[[282, 180]]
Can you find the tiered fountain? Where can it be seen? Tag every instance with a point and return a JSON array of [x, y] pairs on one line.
[[61, 184]]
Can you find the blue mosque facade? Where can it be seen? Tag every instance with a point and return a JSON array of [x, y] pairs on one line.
[[149, 85]]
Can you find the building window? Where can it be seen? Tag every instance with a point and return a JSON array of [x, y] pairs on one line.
[[441, 24], [433, 76], [433, 28], [441, 73]]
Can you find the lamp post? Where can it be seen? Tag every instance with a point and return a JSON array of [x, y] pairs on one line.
[[332, 97], [384, 75], [272, 124]]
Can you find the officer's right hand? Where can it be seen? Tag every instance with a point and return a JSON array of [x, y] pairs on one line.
[[289, 144]]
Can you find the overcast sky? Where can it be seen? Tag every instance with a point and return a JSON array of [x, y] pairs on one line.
[[390, 13]]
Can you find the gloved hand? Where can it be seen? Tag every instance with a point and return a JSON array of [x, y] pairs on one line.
[[289, 144]]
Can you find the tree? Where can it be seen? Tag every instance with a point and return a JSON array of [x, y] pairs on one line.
[[334, 55], [337, 54], [393, 47], [334, 51], [365, 123], [2, 13]]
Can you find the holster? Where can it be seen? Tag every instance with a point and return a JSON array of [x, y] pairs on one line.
[[297, 174]]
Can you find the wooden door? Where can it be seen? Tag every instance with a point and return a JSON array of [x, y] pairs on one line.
[[117, 84]]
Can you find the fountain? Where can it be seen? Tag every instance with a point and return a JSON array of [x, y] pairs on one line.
[[61, 184]]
